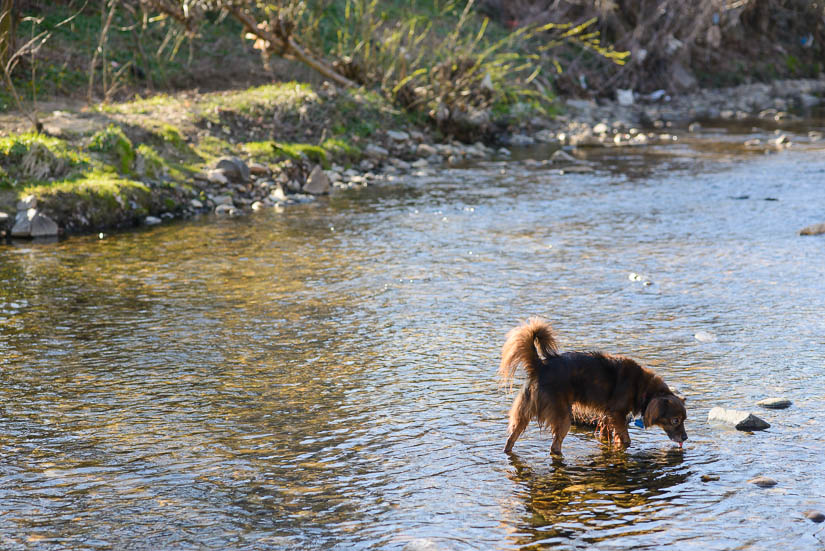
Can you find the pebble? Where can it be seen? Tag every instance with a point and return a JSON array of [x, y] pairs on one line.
[[709, 477], [763, 482], [814, 516], [815, 229], [774, 403]]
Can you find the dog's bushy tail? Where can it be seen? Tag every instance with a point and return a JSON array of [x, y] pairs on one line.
[[522, 348]]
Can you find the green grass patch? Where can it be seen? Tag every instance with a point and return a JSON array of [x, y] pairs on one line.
[[30, 156], [114, 142]]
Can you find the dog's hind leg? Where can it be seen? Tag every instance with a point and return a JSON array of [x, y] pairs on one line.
[[520, 414], [560, 424]]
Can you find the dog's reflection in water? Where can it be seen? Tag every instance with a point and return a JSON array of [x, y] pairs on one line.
[[609, 490]]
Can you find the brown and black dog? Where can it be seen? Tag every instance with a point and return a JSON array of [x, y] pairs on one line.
[[587, 383]]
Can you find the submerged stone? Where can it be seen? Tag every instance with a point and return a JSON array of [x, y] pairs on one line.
[[763, 482]]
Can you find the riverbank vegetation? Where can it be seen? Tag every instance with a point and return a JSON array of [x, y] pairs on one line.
[[145, 95]]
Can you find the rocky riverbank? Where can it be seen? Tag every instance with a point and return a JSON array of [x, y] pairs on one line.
[[234, 185]]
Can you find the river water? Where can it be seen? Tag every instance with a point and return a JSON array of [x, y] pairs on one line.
[[323, 377]]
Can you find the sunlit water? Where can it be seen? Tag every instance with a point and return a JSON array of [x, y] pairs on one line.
[[323, 377]]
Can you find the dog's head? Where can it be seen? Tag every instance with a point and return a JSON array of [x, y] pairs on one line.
[[669, 413]]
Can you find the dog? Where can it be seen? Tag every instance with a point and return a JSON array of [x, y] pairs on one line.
[[592, 385]]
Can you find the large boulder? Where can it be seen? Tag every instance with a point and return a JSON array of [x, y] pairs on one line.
[[31, 223], [234, 169]]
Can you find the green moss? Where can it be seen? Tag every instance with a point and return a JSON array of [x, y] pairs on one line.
[[114, 142], [272, 151]]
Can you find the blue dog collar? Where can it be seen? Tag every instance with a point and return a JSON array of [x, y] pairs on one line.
[[639, 422]]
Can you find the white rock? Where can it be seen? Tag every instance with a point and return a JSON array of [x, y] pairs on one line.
[[704, 336], [257, 205], [624, 97], [600, 128], [196, 203], [152, 220], [740, 420]]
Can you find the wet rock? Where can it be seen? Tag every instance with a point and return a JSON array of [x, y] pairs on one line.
[[152, 221], [375, 151], [234, 169], [740, 420], [577, 169], [815, 229], [709, 478], [780, 141], [763, 482], [226, 210], [814, 516], [31, 223], [562, 156], [318, 182], [278, 194], [774, 403]]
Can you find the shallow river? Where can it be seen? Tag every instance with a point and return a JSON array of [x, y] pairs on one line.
[[323, 377]]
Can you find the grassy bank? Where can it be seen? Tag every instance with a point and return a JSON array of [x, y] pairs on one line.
[[113, 166]]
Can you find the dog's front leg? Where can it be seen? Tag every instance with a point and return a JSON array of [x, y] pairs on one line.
[[621, 438]]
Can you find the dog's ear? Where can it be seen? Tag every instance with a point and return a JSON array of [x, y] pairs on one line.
[[654, 411]]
